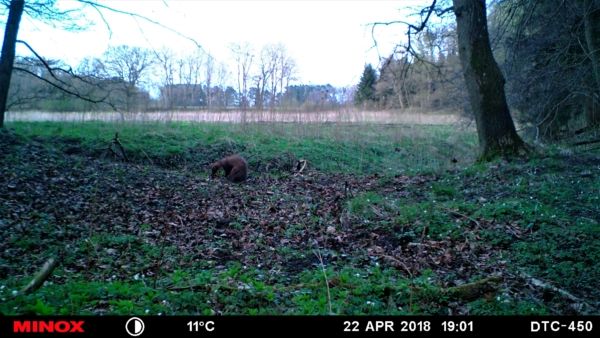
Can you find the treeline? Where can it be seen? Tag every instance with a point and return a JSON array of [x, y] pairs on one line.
[[430, 78], [549, 52], [129, 78]]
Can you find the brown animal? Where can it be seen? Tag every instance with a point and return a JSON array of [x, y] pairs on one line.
[[235, 168]]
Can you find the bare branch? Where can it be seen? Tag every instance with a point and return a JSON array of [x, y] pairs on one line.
[[413, 29], [99, 6], [52, 70], [63, 89], [110, 33]]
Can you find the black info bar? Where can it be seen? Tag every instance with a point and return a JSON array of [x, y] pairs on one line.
[[327, 326]]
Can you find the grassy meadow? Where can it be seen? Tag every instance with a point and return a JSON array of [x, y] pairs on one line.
[[384, 219]]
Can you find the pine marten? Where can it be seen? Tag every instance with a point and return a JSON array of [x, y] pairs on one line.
[[235, 168]]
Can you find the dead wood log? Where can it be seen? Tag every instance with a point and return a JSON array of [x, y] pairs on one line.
[[42, 275], [474, 290]]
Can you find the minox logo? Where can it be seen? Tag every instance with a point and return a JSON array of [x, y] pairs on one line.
[[48, 326]]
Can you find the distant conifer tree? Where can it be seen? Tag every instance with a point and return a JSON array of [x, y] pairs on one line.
[[366, 87]]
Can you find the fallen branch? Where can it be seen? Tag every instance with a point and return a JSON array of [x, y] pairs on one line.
[[564, 293], [42, 275], [474, 290]]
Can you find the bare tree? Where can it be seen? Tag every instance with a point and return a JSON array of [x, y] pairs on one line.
[[243, 55], [127, 66], [284, 71], [288, 72], [190, 76], [209, 68], [165, 60], [222, 78], [69, 19], [392, 82], [281, 69], [275, 54], [261, 79], [265, 73]]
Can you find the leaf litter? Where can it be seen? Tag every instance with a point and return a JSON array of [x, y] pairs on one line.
[[68, 204]]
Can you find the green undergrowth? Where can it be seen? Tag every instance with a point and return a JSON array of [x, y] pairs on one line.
[[352, 148], [385, 220]]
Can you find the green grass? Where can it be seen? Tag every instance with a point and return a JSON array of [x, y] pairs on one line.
[[238, 290], [396, 222], [350, 148]]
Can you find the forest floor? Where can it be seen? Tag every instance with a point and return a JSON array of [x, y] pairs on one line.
[[383, 222]]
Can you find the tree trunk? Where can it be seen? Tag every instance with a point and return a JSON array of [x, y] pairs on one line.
[[485, 83], [591, 22], [8, 52]]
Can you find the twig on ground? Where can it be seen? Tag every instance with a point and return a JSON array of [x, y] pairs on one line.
[[399, 262], [456, 213], [300, 166], [148, 157], [317, 253]]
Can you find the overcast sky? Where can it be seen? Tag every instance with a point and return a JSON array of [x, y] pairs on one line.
[[329, 40]]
